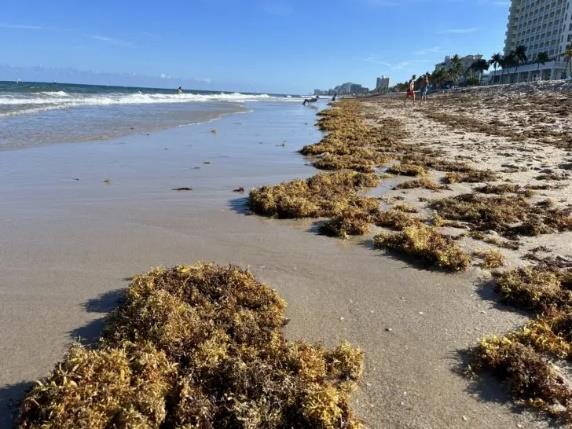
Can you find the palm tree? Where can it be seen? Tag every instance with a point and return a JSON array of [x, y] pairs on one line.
[[495, 61], [519, 57], [439, 77], [455, 69], [568, 54], [480, 66], [503, 66], [541, 59], [510, 61], [520, 54]]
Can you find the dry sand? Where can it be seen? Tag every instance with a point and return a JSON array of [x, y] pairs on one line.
[[68, 245], [522, 133]]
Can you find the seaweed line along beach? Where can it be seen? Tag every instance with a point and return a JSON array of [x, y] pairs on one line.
[[79, 219]]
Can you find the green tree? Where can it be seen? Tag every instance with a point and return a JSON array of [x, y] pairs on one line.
[[510, 61], [479, 67], [496, 61], [541, 59], [518, 57], [439, 77], [520, 54], [504, 64], [568, 54], [455, 69]]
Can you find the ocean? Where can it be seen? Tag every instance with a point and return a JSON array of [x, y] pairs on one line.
[[34, 113]]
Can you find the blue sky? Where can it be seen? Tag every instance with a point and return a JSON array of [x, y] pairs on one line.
[[249, 45]]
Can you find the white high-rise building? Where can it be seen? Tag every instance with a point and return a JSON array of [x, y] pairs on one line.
[[382, 84], [540, 26]]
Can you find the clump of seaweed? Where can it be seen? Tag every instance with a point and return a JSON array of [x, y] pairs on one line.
[[495, 241], [423, 182], [527, 357], [426, 242], [362, 160], [405, 208], [404, 169], [198, 346], [534, 288], [485, 213], [492, 258], [350, 222], [502, 188], [533, 379], [472, 176], [508, 215], [127, 384], [394, 219], [350, 143], [436, 163], [550, 333], [323, 195]]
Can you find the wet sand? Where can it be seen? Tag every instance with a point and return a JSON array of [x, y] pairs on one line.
[[67, 247]]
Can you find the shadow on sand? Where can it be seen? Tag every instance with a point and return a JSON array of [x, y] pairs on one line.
[[410, 261], [240, 206], [11, 395], [103, 304], [487, 292], [487, 388]]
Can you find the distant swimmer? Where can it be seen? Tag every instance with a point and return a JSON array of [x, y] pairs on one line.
[[310, 100], [179, 90]]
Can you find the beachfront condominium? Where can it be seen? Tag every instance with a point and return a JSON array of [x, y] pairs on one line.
[[382, 84], [542, 26]]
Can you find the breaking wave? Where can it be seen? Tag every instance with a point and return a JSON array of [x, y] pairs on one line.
[[14, 103]]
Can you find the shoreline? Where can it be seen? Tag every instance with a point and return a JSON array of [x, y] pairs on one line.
[[55, 287], [133, 128], [515, 218]]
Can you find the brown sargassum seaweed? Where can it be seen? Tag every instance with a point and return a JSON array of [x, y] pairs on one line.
[[197, 346], [323, 195], [425, 242], [509, 215], [530, 358], [354, 150]]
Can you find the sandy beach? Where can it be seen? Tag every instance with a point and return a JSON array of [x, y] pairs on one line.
[[522, 134], [80, 219]]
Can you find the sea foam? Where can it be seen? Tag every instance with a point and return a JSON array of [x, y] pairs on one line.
[[47, 100]]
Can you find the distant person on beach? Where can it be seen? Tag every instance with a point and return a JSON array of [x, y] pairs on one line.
[[411, 89], [334, 97], [179, 90], [424, 87]]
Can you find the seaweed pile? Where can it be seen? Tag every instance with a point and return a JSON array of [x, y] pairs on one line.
[[427, 243], [350, 143], [533, 359], [508, 215], [197, 346], [354, 150], [533, 116], [323, 195]]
